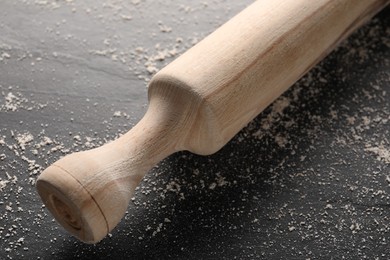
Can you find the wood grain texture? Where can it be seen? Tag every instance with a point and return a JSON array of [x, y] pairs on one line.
[[199, 102]]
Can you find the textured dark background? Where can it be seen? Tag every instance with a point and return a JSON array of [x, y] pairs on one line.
[[309, 178]]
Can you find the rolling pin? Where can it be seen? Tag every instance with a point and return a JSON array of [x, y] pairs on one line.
[[199, 102]]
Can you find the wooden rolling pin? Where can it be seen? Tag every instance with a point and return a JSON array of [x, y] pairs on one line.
[[199, 102]]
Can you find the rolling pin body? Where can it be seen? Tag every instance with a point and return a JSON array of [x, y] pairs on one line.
[[199, 102]]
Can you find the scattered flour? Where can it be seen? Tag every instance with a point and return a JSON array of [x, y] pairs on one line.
[[12, 102], [23, 139], [382, 153]]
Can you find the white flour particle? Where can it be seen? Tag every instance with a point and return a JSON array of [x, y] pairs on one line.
[[3, 184], [212, 186], [281, 140]]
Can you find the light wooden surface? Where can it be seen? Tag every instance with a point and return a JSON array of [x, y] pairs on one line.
[[199, 102]]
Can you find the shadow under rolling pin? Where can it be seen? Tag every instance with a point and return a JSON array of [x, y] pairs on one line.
[[199, 102]]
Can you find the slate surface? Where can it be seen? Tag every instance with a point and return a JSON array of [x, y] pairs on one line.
[[307, 179]]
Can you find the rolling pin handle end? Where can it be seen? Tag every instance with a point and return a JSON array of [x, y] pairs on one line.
[[71, 205]]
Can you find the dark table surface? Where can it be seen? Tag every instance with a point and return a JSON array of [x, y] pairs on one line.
[[309, 178]]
